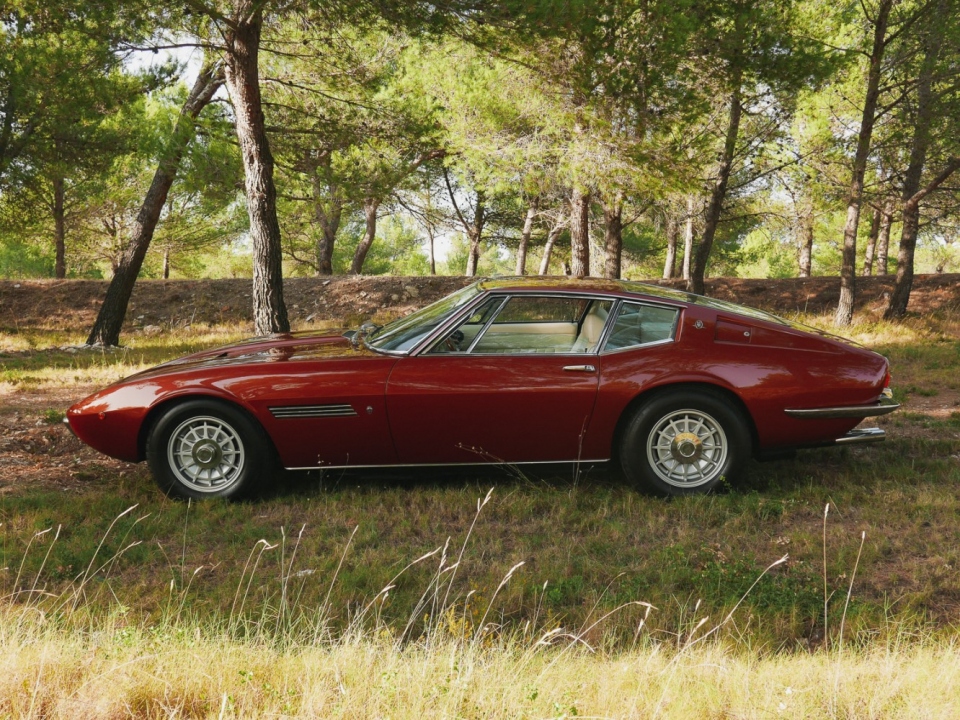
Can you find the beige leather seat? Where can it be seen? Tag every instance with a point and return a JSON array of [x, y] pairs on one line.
[[592, 329]]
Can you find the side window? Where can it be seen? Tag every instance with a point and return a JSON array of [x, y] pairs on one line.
[[461, 338], [638, 324], [545, 325], [526, 309], [529, 324]]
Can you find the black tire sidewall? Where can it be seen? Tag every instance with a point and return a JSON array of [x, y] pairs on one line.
[[633, 441], [255, 447]]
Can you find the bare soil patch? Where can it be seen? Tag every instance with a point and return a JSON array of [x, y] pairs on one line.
[[73, 304], [39, 452]]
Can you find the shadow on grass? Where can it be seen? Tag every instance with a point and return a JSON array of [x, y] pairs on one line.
[[556, 476]]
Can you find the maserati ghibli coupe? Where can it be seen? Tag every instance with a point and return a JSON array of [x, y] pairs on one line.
[[676, 389]]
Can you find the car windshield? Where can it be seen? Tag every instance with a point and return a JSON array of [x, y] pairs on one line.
[[403, 334]]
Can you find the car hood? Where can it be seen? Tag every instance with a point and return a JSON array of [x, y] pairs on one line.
[[282, 347]]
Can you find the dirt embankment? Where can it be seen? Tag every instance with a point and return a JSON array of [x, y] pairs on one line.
[[74, 303]]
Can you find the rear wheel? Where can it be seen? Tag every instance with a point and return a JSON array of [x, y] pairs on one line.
[[205, 448], [684, 443]]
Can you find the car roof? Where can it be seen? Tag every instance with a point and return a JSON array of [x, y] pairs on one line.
[[631, 287], [587, 284]]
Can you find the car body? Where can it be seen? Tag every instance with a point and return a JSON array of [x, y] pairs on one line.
[[679, 389]]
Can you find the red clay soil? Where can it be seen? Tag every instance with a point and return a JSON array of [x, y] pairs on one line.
[[60, 304]]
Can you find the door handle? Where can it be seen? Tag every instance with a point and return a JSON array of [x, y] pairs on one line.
[[580, 368]]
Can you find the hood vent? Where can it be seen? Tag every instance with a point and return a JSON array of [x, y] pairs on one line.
[[313, 411]]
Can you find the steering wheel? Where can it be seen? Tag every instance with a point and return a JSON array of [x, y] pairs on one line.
[[453, 341]]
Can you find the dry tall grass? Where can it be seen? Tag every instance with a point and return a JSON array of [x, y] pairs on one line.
[[119, 670], [64, 655]]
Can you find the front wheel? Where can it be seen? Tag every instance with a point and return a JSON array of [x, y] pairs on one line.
[[684, 443], [204, 448]]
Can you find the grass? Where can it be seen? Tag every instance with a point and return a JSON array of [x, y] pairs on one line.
[[89, 645], [184, 671], [596, 545], [119, 601]]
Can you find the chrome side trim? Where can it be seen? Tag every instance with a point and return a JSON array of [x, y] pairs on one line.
[[882, 407], [580, 368], [312, 411], [862, 436], [426, 465]]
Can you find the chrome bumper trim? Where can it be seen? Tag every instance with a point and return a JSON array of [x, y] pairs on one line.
[[883, 406], [862, 436], [66, 421]]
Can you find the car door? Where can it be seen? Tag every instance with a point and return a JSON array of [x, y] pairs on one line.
[[515, 382]]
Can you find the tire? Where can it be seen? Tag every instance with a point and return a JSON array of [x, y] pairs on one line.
[[207, 449], [684, 442]]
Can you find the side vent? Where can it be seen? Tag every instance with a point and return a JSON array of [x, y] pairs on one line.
[[312, 411]]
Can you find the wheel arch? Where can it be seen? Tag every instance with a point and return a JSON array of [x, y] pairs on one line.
[[164, 406], [717, 391]]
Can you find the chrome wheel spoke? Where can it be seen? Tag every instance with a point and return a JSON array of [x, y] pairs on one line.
[[206, 454], [687, 448]]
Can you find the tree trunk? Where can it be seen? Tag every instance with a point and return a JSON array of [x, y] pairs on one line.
[[613, 240], [106, 328], [883, 239], [579, 233], [328, 218], [430, 245], [806, 246], [166, 263], [60, 230], [475, 233], [688, 238], [673, 235], [848, 268], [525, 237], [548, 247], [912, 194], [718, 195], [900, 297], [370, 207], [242, 37], [868, 256]]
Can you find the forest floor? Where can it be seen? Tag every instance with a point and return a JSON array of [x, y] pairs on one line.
[[62, 304]]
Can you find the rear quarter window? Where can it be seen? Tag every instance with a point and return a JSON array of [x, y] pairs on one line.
[[637, 324]]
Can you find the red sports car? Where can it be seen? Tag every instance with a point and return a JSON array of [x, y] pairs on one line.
[[679, 390]]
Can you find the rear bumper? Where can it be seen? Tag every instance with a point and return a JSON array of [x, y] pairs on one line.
[[883, 406], [862, 436]]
